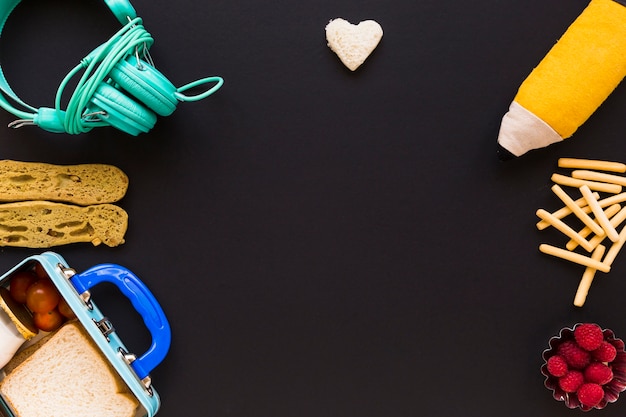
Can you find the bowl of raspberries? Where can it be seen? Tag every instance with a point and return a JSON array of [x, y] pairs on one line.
[[585, 366]]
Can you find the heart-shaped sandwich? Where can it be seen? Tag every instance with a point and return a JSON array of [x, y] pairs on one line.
[[353, 43]]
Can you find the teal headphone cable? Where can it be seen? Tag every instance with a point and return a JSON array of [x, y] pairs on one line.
[[97, 65]]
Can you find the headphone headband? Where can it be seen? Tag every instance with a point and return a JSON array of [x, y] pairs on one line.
[[122, 9], [105, 71], [6, 7]]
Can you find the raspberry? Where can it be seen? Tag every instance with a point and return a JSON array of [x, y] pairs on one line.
[[605, 353], [557, 366], [571, 381], [575, 356], [590, 394], [598, 373], [588, 336]]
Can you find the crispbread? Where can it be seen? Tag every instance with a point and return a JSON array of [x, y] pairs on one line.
[[43, 224], [67, 376], [82, 184]]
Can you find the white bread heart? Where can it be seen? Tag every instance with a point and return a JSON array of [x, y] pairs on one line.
[[353, 43]]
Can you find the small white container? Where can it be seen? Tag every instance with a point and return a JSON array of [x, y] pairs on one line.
[[16, 326], [10, 338]]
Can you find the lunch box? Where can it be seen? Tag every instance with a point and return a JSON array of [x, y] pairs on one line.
[[75, 287]]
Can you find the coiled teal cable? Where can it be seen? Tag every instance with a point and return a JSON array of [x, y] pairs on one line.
[[132, 38]]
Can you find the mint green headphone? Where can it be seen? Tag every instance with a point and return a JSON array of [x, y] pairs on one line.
[[119, 85]]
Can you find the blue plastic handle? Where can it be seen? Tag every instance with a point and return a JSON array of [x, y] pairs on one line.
[[144, 303]]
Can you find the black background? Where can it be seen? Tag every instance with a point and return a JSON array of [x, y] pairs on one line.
[[330, 243]]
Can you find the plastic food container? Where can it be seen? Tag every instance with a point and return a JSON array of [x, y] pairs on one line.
[[74, 287]]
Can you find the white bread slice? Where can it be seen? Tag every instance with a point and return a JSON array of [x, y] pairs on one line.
[[67, 377], [82, 184], [353, 43], [24, 353], [43, 224]]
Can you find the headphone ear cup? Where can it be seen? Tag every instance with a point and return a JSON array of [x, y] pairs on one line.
[[120, 111], [146, 84]]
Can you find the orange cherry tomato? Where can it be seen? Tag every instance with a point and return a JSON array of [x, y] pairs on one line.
[[49, 321], [19, 283], [65, 309], [42, 296]]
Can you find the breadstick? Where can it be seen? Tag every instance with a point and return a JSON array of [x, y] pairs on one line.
[[593, 185], [599, 213], [582, 174], [576, 163], [614, 210], [615, 221], [605, 202], [587, 278], [574, 257], [584, 217], [615, 248], [565, 229], [565, 211]]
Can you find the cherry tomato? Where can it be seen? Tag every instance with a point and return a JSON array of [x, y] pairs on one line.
[[42, 296], [19, 283], [49, 321], [65, 309], [39, 270]]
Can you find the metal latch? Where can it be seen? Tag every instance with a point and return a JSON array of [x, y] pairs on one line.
[[105, 326]]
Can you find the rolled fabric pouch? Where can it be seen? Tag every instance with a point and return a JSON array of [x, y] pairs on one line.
[[575, 77]]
